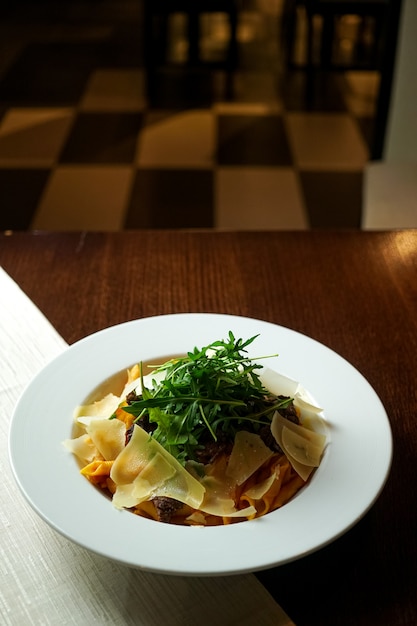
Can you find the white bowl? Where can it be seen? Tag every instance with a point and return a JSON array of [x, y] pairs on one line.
[[352, 473]]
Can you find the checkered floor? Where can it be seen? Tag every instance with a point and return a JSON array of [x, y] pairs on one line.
[[82, 147]]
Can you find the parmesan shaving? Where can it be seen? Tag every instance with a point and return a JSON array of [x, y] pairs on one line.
[[258, 491], [248, 454], [145, 462], [82, 447], [102, 408], [301, 448], [108, 436], [300, 445]]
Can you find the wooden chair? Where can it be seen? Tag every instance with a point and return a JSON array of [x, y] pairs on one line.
[[156, 19], [330, 11]]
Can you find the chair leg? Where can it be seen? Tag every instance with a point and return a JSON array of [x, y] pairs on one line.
[[309, 93], [288, 31], [233, 21], [310, 40], [193, 31], [327, 37], [150, 63], [380, 27]]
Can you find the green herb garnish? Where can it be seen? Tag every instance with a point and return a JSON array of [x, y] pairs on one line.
[[210, 391]]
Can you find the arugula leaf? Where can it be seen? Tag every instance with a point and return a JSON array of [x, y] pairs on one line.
[[212, 390]]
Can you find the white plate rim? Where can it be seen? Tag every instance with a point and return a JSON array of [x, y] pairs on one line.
[[352, 474]]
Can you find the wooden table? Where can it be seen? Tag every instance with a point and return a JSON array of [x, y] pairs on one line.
[[356, 292]]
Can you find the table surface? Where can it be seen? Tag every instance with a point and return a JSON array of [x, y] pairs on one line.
[[356, 292]]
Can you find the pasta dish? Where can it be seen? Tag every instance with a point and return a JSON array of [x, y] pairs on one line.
[[209, 438]]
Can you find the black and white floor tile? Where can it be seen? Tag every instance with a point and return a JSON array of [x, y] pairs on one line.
[[83, 147]]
